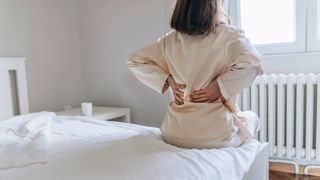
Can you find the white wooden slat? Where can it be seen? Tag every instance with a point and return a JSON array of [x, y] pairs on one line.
[[299, 115], [309, 117], [11, 63], [280, 114], [271, 112], [262, 108], [246, 99], [22, 88], [254, 98], [290, 115], [6, 101], [17, 66]]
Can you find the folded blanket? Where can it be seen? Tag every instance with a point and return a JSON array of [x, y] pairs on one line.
[[24, 139]]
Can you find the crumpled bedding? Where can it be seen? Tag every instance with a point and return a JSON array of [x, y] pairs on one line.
[[89, 149]]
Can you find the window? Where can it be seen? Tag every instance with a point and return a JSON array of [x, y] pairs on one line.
[[273, 26], [264, 27], [314, 25]]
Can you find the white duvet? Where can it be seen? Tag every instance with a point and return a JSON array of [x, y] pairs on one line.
[[24, 140], [88, 149]]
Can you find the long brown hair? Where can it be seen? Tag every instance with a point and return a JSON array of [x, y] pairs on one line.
[[198, 17]]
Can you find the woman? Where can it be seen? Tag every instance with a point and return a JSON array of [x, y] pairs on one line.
[[206, 62]]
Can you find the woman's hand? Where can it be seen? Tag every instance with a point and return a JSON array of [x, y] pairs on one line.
[[208, 94], [177, 90]]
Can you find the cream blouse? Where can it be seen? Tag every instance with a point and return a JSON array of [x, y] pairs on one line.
[[225, 54]]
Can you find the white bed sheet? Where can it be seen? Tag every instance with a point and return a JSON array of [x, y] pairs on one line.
[[24, 140], [89, 149]]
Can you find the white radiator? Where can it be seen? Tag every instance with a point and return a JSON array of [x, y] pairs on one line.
[[289, 107]]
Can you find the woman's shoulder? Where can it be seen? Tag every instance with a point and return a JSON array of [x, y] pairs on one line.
[[221, 29], [222, 32], [169, 34], [167, 37], [228, 30]]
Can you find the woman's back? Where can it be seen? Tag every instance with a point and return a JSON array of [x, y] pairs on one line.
[[197, 60], [202, 52], [225, 55]]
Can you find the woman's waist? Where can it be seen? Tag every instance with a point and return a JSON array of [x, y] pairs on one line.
[[233, 140], [191, 107], [198, 131], [198, 120]]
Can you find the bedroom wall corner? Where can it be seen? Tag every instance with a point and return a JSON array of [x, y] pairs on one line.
[[46, 33], [111, 31]]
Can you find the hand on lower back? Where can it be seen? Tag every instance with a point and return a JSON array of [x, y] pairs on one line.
[[208, 94], [177, 90]]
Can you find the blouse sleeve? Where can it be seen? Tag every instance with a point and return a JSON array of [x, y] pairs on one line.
[[245, 65], [149, 65]]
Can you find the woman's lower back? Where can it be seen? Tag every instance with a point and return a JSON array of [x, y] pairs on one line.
[[206, 125]]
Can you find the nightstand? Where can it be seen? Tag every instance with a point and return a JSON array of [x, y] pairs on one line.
[[103, 113]]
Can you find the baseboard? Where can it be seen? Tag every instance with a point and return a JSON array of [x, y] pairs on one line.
[[282, 167]]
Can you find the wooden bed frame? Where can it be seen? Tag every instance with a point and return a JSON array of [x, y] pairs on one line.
[[14, 91]]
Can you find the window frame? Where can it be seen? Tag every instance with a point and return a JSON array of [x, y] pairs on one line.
[[299, 45], [313, 25]]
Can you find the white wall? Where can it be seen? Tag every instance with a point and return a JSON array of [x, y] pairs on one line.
[[46, 33], [111, 30], [77, 49], [308, 62]]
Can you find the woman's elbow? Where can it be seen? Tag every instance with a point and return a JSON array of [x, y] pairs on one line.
[[132, 61], [259, 70]]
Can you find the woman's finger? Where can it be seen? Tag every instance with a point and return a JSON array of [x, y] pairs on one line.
[[179, 90], [177, 97], [199, 100], [178, 102], [198, 96], [210, 101], [181, 86], [180, 93], [199, 92]]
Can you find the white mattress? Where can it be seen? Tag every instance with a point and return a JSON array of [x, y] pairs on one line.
[[88, 149]]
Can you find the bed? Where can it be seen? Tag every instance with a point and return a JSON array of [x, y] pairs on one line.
[[48, 147]]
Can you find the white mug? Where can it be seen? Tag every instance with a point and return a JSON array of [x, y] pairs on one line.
[[86, 108]]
